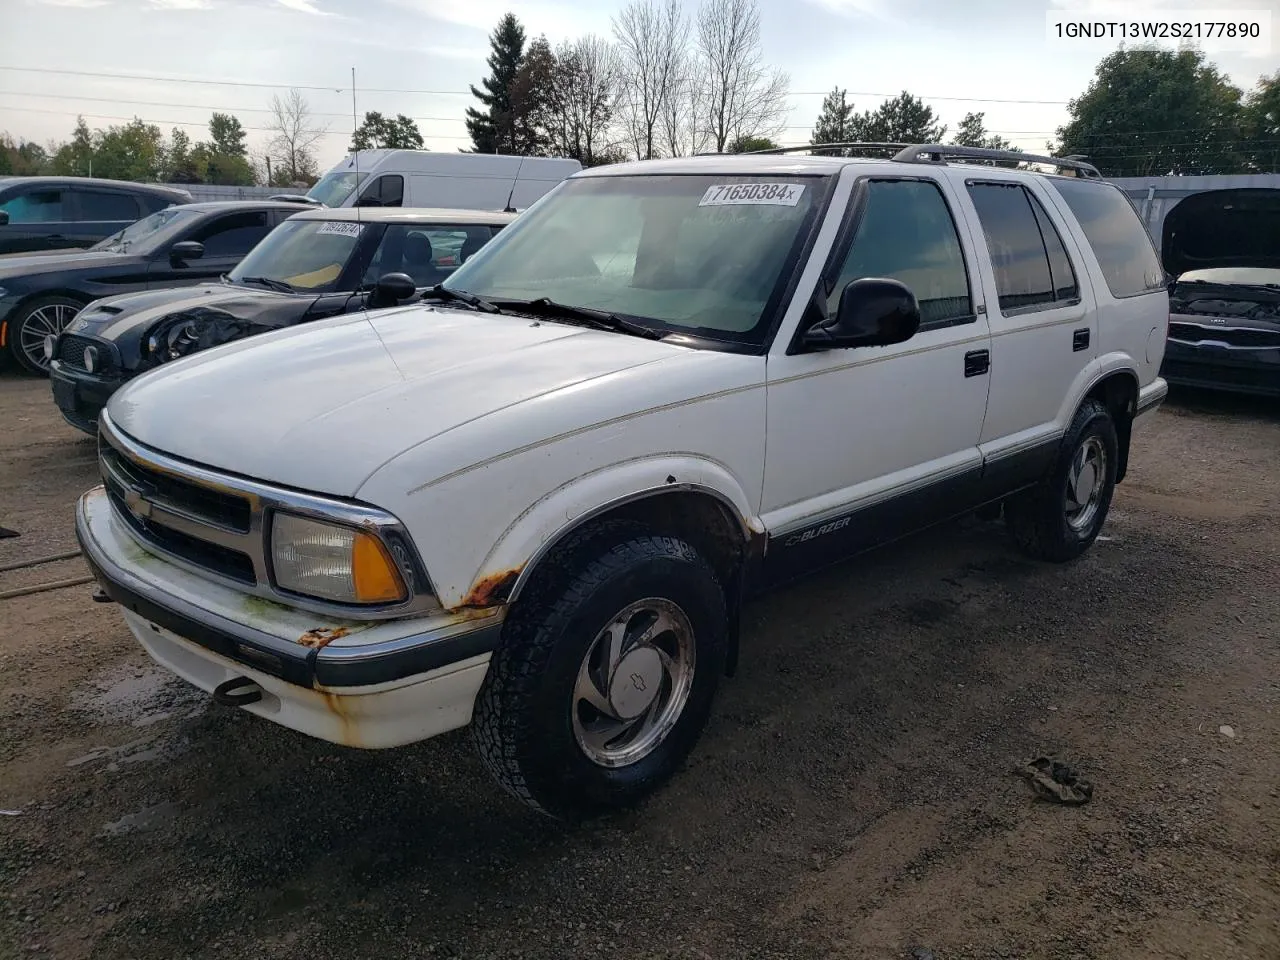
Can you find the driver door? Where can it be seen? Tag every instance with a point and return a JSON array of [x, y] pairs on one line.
[[867, 443]]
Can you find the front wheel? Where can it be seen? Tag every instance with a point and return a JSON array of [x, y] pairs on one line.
[[1059, 518], [604, 679], [32, 327]]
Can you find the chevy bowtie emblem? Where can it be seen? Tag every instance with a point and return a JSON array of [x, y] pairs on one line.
[[137, 504]]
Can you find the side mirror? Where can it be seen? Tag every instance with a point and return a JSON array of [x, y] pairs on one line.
[[392, 288], [186, 250], [872, 313], [4, 218]]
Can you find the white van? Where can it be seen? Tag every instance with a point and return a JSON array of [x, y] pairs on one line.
[[420, 178]]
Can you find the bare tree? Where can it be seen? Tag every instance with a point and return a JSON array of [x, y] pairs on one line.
[[295, 133], [652, 37], [741, 96], [584, 98], [683, 130]]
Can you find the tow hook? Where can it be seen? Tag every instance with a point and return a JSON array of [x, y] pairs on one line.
[[237, 692]]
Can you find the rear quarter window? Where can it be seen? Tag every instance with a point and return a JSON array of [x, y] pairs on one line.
[[1119, 240]]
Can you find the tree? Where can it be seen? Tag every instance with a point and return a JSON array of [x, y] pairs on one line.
[[835, 121], [181, 164], [227, 136], [750, 144], [379, 132], [578, 102], [1157, 112], [75, 157], [491, 128], [901, 119], [22, 158], [295, 134], [741, 96], [1262, 124], [653, 40], [133, 151], [533, 100]]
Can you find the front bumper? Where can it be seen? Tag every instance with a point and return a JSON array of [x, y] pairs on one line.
[[371, 685], [80, 395], [1220, 367]]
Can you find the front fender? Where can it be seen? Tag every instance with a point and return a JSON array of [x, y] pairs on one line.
[[506, 568]]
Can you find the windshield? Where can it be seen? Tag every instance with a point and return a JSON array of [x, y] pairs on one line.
[[307, 254], [704, 255], [149, 233], [333, 188], [1261, 276]]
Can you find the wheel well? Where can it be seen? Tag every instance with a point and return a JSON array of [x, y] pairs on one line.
[[1119, 394], [705, 522]]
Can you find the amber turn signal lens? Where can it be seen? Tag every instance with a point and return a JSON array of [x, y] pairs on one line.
[[374, 572]]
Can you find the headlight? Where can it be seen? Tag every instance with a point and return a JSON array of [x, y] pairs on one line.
[[332, 562]]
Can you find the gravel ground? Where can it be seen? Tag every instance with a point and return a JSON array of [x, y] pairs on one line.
[[852, 797]]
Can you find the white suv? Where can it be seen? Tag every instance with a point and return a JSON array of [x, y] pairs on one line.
[[536, 502]]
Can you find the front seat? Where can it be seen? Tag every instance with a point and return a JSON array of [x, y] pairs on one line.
[[469, 247], [416, 259]]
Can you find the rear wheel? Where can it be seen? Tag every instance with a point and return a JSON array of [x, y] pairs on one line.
[[33, 325], [1059, 519], [605, 676]]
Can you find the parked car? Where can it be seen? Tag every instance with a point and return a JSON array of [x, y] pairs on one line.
[[1223, 248], [175, 247], [62, 213], [536, 503], [316, 264], [420, 178]]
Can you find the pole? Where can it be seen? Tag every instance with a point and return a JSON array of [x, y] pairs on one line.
[[355, 123], [268, 159]]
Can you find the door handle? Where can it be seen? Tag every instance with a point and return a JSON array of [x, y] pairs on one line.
[[977, 362], [1080, 339]]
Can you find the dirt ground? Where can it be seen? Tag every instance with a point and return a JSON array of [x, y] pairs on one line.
[[852, 797]]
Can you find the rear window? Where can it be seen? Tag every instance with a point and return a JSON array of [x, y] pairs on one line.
[[98, 206], [1119, 240]]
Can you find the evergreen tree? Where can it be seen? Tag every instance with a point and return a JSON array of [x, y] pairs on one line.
[[492, 129], [834, 122]]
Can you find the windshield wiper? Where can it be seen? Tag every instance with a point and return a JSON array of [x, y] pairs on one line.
[[602, 319], [440, 292], [271, 284]]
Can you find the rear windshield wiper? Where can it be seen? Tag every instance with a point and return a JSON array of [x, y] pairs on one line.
[[602, 319], [440, 292]]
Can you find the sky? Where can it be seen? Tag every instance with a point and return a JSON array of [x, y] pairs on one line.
[[959, 55]]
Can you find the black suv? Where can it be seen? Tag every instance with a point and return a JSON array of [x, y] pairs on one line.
[[61, 213]]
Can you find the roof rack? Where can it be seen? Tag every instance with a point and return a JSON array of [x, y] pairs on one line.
[[851, 145], [939, 153]]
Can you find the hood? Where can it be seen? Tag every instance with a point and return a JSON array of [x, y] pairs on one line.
[[54, 261], [127, 319], [321, 406], [1222, 228]]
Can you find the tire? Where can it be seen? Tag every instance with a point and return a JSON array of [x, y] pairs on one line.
[[32, 323], [546, 743], [1049, 521]]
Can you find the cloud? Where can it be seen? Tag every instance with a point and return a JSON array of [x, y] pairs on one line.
[[558, 19], [1153, 6], [866, 8], [304, 6], [78, 4], [182, 4]]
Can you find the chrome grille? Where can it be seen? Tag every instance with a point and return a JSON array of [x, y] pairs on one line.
[[219, 524]]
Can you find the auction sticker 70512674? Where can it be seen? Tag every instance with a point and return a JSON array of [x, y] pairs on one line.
[[771, 194]]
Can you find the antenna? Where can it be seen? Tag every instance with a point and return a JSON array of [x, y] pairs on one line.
[[512, 192]]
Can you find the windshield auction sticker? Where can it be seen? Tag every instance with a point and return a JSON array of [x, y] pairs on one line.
[[770, 194], [342, 229]]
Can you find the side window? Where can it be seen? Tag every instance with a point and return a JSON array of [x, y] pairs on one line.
[[232, 236], [37, 206], [907, 234], [386, 191], [1114, 231], [1017, 249], [426, 253], [94, 205], [1061, 271]]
